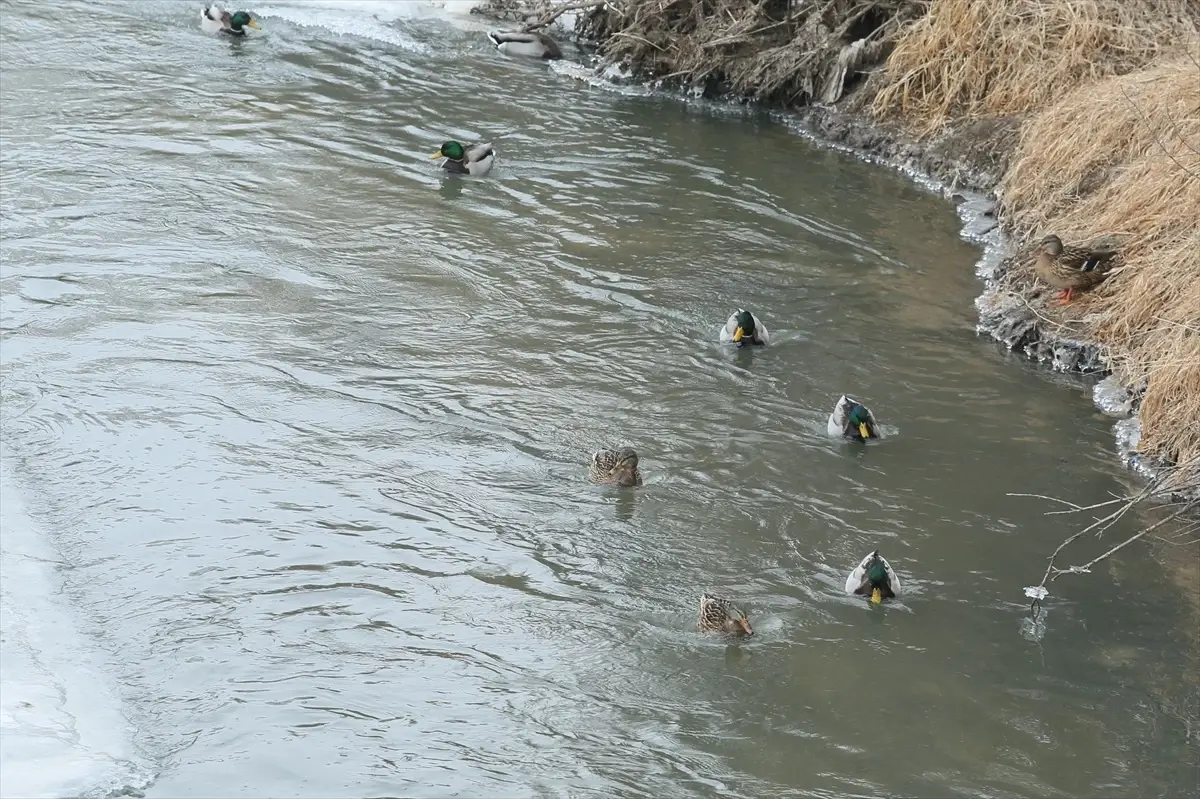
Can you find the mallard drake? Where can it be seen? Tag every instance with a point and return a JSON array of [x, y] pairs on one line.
[[214, 20], [719, 615], [874, 578], [616, 466], [852, 419], [522, 43], [743, 327], [1070, 267], [475, 160]]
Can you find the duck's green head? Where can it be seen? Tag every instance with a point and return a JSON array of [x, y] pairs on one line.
[[241, 19], [745, 327], [861, 419], [877, 578], [452, 150]]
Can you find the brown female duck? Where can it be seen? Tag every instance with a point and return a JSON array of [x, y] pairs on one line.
[[719, 615], [1071, 267], [616, 466]]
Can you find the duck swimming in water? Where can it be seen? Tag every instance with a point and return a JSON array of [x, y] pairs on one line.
[[530, 44], [874, 578], [616, 467], [214, 20], [475, 160], [742, 328], [719, 615], [852, 419]]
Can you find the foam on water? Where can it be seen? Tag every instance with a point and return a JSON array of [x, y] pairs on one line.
[[62, 732], [370, 19]]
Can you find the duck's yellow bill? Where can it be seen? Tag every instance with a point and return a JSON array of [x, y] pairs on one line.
[[862, 431], [254, 25], [876, 596], [438, 154], [738, 335]]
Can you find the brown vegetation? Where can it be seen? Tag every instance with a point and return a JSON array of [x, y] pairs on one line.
[[1001, 57], [772, 50], [1121, 157], [1110, 147]]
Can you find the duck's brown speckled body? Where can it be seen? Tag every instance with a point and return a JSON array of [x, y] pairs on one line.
[[719, 615], [1073, 267], [616, 466]]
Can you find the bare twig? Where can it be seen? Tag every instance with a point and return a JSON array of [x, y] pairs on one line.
[[557, 11], [1049, 499], [1087, 566], [1159, 489], [1157, 140]]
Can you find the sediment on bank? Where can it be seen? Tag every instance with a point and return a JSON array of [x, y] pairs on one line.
[[1083, 118]]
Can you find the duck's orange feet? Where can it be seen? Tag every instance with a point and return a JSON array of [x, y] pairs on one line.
[[1064, 296]]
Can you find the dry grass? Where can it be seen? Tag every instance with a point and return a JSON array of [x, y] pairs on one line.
[[967, 58], [1121, 158], [773, 50]]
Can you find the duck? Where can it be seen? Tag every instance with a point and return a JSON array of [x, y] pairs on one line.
[[743, 327], [615, 467], [1073, 267], [852, 419], [526, 43], [214, 20], [874, 577], [718, 615], [475, 160]]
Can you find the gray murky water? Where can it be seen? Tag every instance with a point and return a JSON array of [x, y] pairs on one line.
[[309, 422]]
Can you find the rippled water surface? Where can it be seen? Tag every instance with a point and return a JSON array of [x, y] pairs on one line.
[[308, 421]]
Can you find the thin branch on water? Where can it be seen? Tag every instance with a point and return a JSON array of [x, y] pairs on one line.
[[1087, 566], [1185, 499], [1049, 499]]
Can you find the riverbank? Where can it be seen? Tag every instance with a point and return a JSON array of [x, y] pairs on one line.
[[1078, 119]]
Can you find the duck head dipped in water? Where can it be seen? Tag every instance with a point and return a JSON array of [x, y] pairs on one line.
[[874, 578], [616, 467], [719, 615], [530, 44]]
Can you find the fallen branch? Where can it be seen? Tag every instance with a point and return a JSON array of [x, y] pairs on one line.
[[549, 16], [1163, 490]]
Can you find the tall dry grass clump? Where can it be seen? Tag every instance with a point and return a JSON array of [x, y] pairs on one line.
[[1003, 57], [1121, 158]]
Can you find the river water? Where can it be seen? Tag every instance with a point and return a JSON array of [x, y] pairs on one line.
[[305, 424]]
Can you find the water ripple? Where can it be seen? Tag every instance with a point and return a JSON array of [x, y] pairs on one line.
[[311, 420]]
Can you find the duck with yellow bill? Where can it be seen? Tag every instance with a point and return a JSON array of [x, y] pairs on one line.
[[214, 20], [742, 328], [874, 578], [852, 419], [474, 160]]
